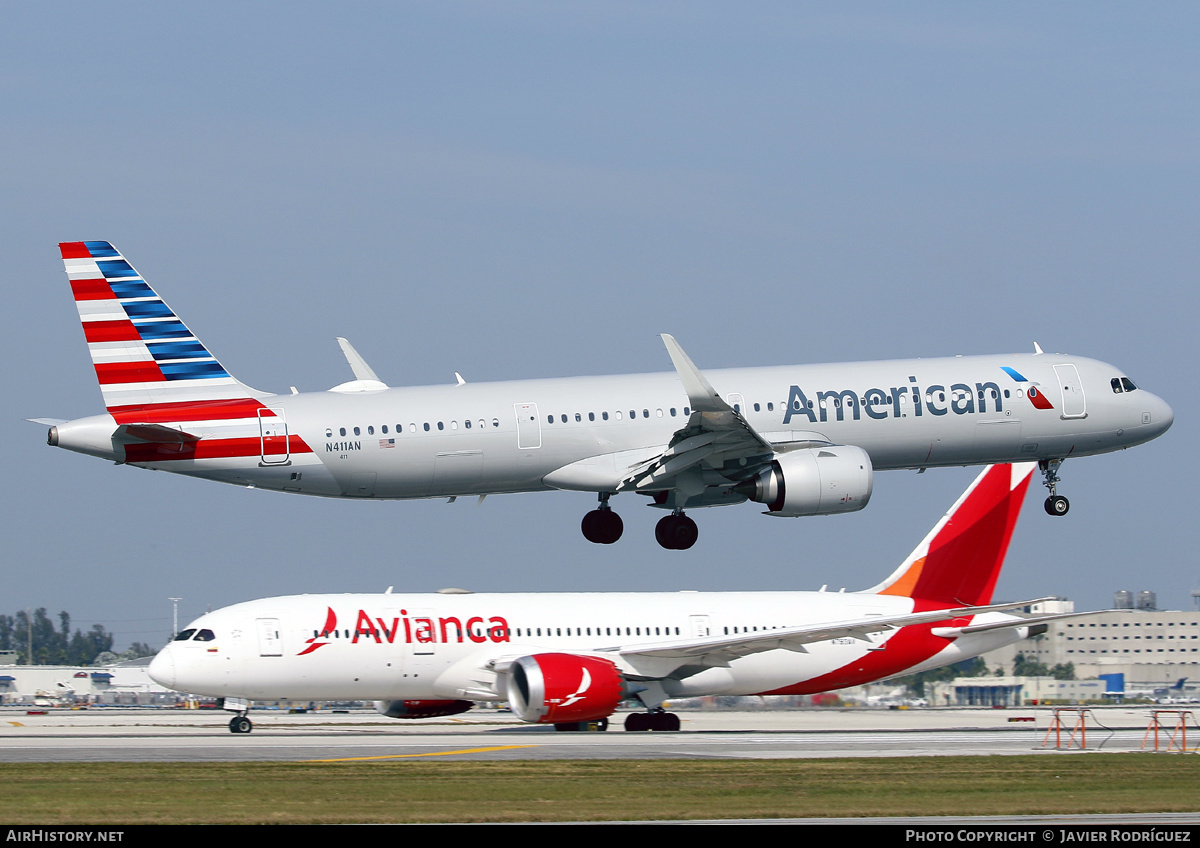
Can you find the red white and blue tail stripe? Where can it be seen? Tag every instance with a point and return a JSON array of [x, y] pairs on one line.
[[143, 354]]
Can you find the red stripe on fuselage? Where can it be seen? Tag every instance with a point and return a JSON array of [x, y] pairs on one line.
[[188, 410], [911, 646], [74, 250], [92, 290], [205, 449], [110, 331], [142, 371]]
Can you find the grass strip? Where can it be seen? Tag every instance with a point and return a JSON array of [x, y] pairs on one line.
[[523, 791]]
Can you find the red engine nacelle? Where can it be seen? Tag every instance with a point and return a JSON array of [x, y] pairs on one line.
[[422, 709], [814, 481], [558, 688]]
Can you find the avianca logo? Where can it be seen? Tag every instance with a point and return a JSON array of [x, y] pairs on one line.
[[1035, 395], [319, 641], [416, 630], [585, 683]]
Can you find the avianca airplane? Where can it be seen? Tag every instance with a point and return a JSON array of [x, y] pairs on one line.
[[570, 659], [801, 440]]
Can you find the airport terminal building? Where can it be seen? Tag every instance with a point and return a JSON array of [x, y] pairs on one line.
[[1151, 648]]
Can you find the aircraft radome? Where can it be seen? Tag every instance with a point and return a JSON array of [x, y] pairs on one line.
[[570, 659], [801, 440]]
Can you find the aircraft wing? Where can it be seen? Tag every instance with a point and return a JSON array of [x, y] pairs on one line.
[[715, 433], [659, 660]]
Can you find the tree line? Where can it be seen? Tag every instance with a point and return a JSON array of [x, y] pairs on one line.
[[57, 645]]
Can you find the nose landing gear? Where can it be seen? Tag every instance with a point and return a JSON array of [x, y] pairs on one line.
[[240, 724], [1056, 504]]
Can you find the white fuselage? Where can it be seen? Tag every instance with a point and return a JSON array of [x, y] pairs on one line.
[[444, 646]]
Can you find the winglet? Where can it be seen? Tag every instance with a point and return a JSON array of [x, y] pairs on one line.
[[365, 379], [701, 395], [959, 561], [358, 365]]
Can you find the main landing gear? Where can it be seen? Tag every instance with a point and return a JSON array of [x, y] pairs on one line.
[[657, 720], [676, 532], [1056, 504], [602, 525]]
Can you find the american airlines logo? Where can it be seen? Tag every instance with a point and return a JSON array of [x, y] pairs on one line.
[[416, 630], [898, 401]]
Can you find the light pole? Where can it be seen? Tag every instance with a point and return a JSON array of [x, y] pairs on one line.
[[174, 616]]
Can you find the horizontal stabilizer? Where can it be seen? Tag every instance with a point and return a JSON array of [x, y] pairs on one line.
[[155, 433]]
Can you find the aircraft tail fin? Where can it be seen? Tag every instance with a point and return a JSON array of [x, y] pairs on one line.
[[959, 561], [143, 354]]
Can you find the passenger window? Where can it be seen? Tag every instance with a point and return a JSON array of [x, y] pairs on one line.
[[441, 426], [467, 423], [578, 417], [329, 432], [371, 430], [342, 430], [357, 432]]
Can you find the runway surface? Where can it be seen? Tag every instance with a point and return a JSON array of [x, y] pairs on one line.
[[168, 735]]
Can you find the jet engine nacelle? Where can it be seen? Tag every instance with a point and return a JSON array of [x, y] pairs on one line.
[[815, 481], [556, 688], [422, 709]]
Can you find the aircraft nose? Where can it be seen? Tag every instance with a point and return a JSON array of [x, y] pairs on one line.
[[162, 668], [1159, 413]]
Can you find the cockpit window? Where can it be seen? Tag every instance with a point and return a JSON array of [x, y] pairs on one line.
[[205, 636], [1116, 385], [1128, 384], [185, 635]]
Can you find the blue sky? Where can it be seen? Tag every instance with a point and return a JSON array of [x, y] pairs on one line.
[[533, 189]]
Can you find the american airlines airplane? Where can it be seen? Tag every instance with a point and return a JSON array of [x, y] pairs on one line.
[[570, 659], [800, 440]]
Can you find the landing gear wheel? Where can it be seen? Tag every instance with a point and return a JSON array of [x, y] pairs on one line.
[[660, 721], [664, 722], [676, 532], [240, 724], [602, 526], [598, 725], [1057, 505]]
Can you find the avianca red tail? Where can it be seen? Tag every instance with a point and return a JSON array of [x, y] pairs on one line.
[[568, 659], [959, 561]]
